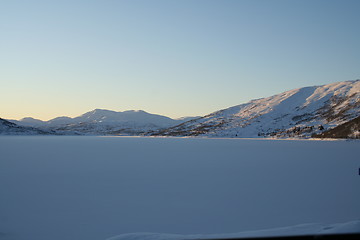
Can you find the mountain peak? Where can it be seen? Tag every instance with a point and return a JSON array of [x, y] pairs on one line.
[[28, 119], [99, 110], [135, 111]]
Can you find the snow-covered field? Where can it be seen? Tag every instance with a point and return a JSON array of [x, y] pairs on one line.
[[94, 188]]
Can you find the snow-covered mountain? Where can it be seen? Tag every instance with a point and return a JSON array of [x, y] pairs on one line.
[[135, 116], [105, 122], [28, 121], [295, 113], [9, 128], [58, 121]]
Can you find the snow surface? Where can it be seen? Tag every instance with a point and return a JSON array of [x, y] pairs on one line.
[[298, 230], [95, 188]]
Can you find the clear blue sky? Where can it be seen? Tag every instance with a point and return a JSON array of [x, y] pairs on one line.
[[176, 58]]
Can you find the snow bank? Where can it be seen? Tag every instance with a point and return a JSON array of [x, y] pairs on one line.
[[298, 230]]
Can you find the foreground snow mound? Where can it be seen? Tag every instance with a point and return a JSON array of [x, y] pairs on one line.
[[298, 230], [295, 113]]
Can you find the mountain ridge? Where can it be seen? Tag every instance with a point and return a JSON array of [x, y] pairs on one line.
[[104, 122], [295, 113], [301, 112], [9, 128]]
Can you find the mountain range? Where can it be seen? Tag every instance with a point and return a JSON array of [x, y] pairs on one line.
[[303, 112], [103, 122]]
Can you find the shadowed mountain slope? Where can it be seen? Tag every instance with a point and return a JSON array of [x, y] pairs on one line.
[[349, 129]]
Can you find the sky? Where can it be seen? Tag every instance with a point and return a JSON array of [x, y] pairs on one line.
[[174, 58]]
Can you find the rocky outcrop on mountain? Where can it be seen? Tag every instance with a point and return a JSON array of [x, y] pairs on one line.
[[350, 129]]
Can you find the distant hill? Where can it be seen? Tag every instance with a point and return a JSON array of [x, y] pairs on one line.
[[104, 122], [9, 128], [296, 113]]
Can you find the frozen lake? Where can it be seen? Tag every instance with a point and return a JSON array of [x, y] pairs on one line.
[[93, 188]]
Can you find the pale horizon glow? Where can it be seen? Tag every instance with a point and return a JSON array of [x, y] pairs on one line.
[[173, 58]]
